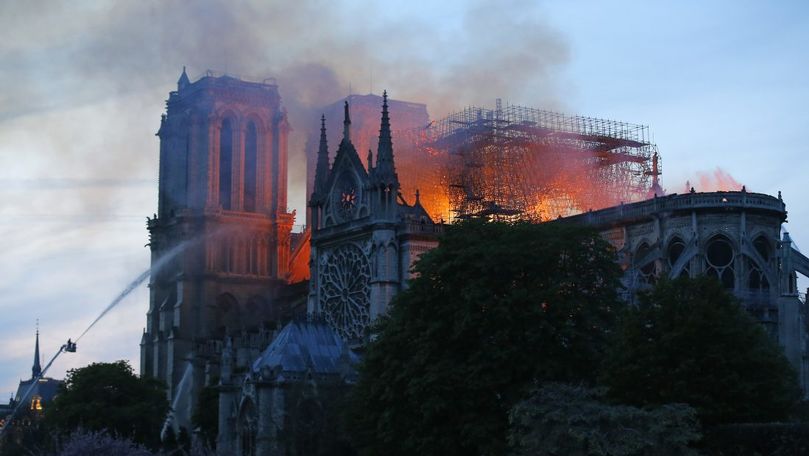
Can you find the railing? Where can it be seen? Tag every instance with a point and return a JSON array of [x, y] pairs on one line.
[[689, 201], [426, 228], [218, 74]]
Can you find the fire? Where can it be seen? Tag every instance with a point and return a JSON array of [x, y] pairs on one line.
[[512, 162]]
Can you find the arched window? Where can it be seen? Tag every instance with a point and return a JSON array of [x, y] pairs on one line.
[[719, 261], [225, 163], [250, 167], [227, 249], [646, 270], [674, 252], [762, 247], [756, 280]]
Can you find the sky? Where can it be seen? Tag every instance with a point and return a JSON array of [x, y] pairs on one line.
[[722, 85]]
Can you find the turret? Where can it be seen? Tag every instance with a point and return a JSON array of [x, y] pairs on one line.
[[384, 181], [36, 370], [183, 82], [346, 125], [322, 169], [385, 170]]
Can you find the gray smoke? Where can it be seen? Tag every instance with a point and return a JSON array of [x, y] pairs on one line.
[[448, 56]]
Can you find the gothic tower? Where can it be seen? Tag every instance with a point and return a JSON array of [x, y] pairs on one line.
[[365, 236], [222, 217]]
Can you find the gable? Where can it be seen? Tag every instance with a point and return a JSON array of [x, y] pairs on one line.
[[346, 198]]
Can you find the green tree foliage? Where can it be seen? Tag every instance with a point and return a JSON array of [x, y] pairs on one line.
[[559, 419], [110, 397], [690, 341], [495, 307]]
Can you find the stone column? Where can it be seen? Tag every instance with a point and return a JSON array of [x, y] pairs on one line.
[[265, 434]]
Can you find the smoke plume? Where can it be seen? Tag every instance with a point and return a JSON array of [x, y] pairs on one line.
[[90, 54], [713, 181]]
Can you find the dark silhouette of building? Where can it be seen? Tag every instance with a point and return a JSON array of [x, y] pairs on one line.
[[222, 203]]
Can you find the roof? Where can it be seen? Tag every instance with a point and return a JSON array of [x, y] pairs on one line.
[[415, 211], [46, 388], [304, 345]]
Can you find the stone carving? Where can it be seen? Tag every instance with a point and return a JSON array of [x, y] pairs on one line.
[[344, 291]]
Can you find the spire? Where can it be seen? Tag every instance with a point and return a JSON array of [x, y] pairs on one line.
[[385, 169], [183, 81], [370, 160], [36, 370], [346, 125], [322, 169]]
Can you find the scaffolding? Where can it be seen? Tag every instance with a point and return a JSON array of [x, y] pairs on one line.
[[515, 162]]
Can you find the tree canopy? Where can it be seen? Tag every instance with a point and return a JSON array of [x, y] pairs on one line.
[[493, 308], [110, 397], [561, 419], [690, 341]]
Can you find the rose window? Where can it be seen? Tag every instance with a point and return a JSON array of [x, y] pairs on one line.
[[345, 296]]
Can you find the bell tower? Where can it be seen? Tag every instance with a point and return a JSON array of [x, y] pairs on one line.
[[222, 197]]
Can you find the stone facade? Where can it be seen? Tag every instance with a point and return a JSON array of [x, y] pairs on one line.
[[364, 235], [222, 204], [733, 236], [288, 401], [405, 116], [364, 240]]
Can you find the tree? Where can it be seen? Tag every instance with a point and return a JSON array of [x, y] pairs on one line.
[[562, 419], [493, 308], [690, 341], [110, 397]]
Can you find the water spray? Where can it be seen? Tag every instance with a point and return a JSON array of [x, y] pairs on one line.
[[138, 280], [70, 346]]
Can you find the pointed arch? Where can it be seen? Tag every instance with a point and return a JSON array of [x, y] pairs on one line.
[[226, 142], [720, 255], [251, 169]]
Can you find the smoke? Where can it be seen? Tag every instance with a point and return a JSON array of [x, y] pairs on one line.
[[447, 57], [85, 84], [713, 181]]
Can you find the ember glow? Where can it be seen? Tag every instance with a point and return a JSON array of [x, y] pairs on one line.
[[516, 162]]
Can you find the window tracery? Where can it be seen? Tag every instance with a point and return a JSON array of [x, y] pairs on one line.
[[647, 272], [719, 258], [675, 251], [345, 297]]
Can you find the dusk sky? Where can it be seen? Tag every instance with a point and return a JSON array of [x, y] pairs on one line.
[[724, 88]]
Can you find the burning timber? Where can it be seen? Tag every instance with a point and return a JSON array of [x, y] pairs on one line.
[[519, 162]]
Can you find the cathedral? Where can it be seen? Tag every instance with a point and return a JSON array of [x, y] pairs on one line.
[[231, 309], [365, 237], [222, 202]]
